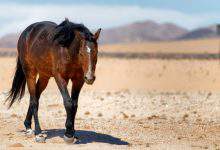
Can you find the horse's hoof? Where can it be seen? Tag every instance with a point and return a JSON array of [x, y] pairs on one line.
[[68, 140], [40, 138], [29, 133]]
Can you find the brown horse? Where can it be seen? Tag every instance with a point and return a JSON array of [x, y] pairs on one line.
[[67, 51]]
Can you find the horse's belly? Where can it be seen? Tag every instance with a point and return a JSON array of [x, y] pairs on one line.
[[45, 70]]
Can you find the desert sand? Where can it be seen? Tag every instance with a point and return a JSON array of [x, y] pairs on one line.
[[134, 104]]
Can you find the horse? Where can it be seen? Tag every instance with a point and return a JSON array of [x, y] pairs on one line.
[[67, 51]]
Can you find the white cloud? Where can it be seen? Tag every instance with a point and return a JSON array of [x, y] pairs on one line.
[[15, 17]]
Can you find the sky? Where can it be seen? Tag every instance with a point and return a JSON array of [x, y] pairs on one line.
[[16, 15]]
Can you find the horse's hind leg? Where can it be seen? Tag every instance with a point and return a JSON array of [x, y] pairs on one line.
[[35, 92], [40, 87], [31, 83]]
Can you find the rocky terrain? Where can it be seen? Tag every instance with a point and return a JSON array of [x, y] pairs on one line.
[[158, 105]]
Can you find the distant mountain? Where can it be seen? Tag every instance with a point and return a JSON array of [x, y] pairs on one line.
[[142, 31], [9, 40], [137, 32], [208, 32]]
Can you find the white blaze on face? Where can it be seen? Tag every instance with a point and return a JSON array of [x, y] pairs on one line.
[[88, 49], [89, 74]]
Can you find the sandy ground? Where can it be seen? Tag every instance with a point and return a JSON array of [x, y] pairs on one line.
[[134, 104]]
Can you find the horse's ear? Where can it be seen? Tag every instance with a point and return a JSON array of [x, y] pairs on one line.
[[63, 34], [66, 19], [96, 35]]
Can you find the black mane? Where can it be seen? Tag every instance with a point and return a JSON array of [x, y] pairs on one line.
[[64, 33]]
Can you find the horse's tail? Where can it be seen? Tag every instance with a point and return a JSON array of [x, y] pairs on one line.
[[18, 85]]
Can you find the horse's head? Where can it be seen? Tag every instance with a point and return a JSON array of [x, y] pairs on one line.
[[88, 55], [78, 39]]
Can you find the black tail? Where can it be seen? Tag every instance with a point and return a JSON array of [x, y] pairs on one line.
[[18, 85]]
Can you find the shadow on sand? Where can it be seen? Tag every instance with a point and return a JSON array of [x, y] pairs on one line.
[[87, 137]]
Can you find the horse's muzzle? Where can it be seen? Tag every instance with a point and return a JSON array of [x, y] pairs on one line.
[[89, 80]]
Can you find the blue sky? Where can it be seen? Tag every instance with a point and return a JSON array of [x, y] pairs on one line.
[[15, 15], [189, 6]]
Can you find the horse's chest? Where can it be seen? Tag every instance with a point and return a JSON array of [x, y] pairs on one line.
[[67, 69], [65, 63], [64, 56]]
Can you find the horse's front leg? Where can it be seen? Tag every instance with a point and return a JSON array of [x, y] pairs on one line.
[[76, 88], [68, 104]]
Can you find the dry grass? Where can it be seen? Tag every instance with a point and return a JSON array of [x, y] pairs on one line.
[[187, 46], [190, 46]]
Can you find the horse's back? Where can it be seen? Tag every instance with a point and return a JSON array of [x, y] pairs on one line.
[[32, 32], [33, 46]]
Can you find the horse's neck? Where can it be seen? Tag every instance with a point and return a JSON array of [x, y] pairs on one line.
[[75, 47]]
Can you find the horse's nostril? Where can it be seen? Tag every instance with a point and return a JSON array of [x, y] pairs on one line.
[[89, 79]]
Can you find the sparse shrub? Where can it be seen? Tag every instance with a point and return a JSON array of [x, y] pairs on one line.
[[87, 113], [99, 114]]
